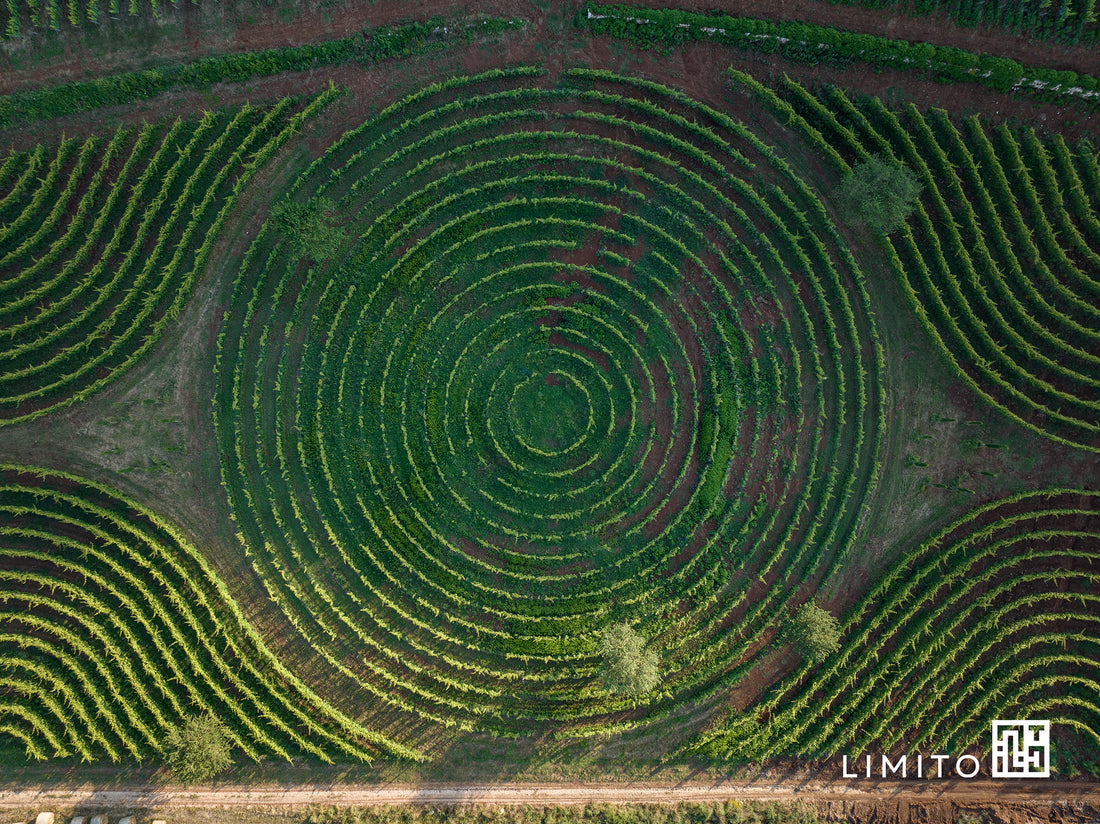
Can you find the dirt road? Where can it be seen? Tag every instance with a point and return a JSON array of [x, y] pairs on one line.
[[1062, 794]]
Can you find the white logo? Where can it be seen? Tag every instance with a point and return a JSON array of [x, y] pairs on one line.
[[1021, 749]]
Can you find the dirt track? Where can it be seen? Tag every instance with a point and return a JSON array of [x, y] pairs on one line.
[[1064, 794]]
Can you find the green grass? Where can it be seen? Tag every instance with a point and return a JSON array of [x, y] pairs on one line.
[[549, 416]]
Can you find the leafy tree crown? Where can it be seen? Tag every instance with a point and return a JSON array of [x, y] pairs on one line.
[[629, 668], [881, 193], [198, 749], [814, 633]]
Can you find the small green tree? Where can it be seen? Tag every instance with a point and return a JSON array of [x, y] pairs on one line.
[[814, 633], [198, 749], [308, 226], [881, 193], [629, 668]]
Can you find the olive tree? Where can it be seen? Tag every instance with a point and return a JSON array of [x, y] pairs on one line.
[[198, 749], [813, 632], [629, 667]]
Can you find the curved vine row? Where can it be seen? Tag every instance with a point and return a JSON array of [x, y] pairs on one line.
[[1001, 262], [994, 617]]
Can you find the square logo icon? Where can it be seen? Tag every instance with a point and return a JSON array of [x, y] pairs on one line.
[[1021, 749]]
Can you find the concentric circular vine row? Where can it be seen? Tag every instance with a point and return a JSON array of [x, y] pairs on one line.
[[590, 353], [1001, 260]]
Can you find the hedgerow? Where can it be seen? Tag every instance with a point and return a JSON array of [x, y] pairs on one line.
[[811, 43], [368, 46]]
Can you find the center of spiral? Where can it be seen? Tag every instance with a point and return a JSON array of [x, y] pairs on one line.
[[549, 413]]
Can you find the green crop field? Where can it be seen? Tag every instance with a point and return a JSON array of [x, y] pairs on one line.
[[350, 393]]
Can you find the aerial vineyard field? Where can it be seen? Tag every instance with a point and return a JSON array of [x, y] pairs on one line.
[[112, 627], [457, 349], [102, 240], [597, 355], [994, 617], [1001, 260]]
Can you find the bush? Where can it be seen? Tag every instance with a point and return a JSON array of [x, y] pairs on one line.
[[814, 633], [198, 749], [629, 668]]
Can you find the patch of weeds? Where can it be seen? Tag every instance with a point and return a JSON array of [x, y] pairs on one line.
[[287, 13]]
